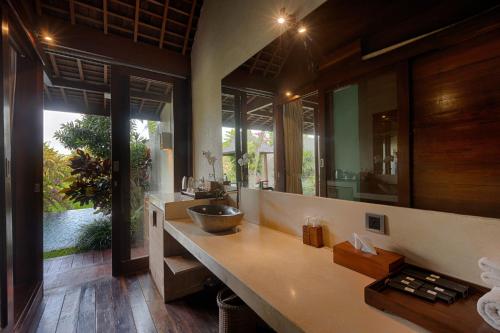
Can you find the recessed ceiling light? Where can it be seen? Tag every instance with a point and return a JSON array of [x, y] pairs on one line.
[[281, 20], [48, 38], [288, 93], [302, 29]]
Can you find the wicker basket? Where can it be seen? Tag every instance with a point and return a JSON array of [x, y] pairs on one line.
[[234, 315]]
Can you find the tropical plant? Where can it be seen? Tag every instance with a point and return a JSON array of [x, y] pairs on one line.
[[91, 133], [90, 181], [90, 167], [55, 171], [95, 235]]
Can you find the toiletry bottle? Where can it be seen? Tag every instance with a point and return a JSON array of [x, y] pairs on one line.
[[305, 231]]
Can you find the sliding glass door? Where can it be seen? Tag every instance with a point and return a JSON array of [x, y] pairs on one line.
[[151, 153]]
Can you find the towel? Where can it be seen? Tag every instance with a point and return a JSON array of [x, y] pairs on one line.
[[490, 278], [490, 264], [488, 307]]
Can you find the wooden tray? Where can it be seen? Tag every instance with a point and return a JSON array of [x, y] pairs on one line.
[[459, 317]]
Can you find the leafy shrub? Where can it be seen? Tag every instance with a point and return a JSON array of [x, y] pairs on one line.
[[95, 235], [90, 181]]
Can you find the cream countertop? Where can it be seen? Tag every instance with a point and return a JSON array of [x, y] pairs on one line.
[[159, 199], [293, 287]]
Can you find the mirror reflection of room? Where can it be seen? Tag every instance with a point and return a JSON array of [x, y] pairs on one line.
[[364, 153]]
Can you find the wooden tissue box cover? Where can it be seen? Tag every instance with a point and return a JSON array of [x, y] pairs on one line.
[[377, 267]]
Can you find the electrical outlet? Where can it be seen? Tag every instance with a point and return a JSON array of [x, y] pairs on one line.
[[375, 223]]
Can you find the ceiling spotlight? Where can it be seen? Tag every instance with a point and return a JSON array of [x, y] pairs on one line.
[[288, 93], [48, 38], [301, 29], [281, 19]]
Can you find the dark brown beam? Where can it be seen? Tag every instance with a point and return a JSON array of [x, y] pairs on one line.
[[136, 19], [241, 79], [76, 108], [80, 69], [105, 16], [164, 22], [80, 85], [85, 99], [72, 11], [54, 64], [103, 88], [105, 72], [257, 57], [116, 49], [188, 30]]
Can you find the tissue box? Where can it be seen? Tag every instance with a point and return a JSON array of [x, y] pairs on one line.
[[375, 266]]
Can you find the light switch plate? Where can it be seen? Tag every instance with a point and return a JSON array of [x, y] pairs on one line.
[[375, 223]]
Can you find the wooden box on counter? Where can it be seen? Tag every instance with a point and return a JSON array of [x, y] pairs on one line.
[[459, 317], [375, 266]]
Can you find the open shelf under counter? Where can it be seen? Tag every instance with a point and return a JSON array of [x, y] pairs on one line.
[[182, 264]]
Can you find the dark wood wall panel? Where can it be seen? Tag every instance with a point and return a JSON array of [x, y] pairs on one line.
[[456, 119]]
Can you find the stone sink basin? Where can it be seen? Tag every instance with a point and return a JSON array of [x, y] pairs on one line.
[[215, 218]]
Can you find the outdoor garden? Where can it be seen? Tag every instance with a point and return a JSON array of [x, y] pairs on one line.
[[77, 186]]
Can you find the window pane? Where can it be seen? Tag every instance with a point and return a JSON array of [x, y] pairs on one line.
[[228, 138], [259, 141]]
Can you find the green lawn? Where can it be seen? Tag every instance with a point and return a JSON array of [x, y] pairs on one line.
[[59, 253]]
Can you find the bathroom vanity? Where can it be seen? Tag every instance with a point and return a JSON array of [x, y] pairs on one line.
[[175, 272], [293, 287]]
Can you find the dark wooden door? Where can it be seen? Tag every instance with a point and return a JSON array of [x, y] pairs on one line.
[[6, 246]]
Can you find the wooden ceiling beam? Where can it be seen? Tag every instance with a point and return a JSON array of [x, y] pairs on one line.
[[188, 29], [85, 99], [255, 62], [268, 66], [55, 69], [105, 16], [80, 69], [77, 108], [164, 22], [105, 74], [114, 49], [63, 94], [136, 19], [47, 91], [72, 11], [102, 88]]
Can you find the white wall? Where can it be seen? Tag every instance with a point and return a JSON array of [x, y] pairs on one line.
[[445, 242], [229, 32]]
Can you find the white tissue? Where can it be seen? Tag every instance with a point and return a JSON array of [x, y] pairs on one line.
[[362, 243]]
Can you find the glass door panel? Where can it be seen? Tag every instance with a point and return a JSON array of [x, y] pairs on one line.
[[151, 153]]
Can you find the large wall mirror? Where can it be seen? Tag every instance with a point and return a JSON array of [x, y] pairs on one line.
[[385, 108]]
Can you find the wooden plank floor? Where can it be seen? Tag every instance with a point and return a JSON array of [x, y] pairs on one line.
[[81, 296], [76, 269]]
